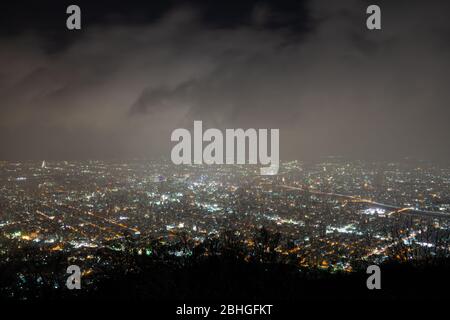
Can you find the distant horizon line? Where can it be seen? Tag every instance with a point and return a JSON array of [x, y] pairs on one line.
[[312, 159]]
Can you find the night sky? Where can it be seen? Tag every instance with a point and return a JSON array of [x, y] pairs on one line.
[[140, 69]]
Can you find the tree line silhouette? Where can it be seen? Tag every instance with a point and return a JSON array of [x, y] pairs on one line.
[[220, 267]]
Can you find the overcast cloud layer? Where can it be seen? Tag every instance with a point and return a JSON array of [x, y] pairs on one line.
[[119, 91]]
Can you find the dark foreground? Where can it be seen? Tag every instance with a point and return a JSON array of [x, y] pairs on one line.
[[215, 280], [220, 278]]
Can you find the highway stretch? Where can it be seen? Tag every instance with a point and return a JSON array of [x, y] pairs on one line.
[[396, 209]]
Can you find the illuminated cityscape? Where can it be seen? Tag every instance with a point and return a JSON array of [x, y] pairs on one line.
[[330, 215], [197, 153]]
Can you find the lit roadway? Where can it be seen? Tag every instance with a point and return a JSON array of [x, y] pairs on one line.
[[396, 209]]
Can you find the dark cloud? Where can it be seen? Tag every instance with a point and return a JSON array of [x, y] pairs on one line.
[[329, 84]]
